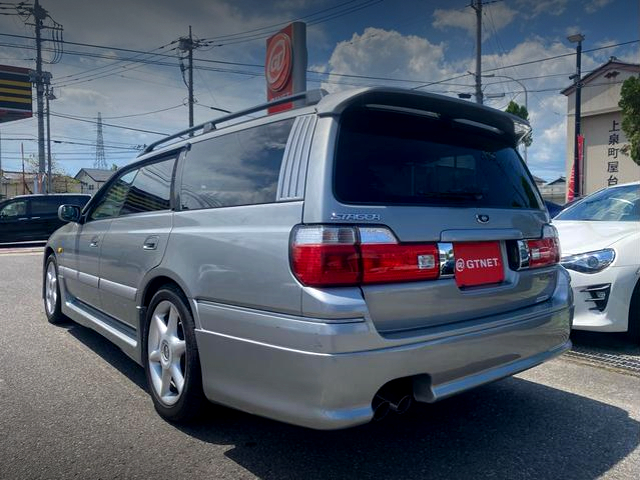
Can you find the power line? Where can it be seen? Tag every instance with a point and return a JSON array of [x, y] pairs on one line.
[[261, 67], [124, 60], [127, 116], [264, 35], [275, 26], [69, 117]]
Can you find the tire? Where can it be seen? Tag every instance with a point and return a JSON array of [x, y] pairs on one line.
[[633, 328], [170, 356], [52, 292]]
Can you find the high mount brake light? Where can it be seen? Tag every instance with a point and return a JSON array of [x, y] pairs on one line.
[[326, 256]]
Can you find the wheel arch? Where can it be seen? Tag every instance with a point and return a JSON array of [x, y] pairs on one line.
[[633, 325], [156, 282]]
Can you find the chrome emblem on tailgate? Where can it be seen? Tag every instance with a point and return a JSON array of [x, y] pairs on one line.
[[358, 217], [481, 218]]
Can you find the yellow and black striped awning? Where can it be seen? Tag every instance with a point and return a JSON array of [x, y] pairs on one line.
[[15, 93]]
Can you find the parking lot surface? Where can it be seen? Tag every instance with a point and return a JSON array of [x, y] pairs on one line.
[[74, 406]]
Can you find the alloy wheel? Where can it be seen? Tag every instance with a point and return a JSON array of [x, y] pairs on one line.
[[167, 348], [51, 289]]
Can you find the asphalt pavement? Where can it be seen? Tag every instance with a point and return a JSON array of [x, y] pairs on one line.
[[72, 405]]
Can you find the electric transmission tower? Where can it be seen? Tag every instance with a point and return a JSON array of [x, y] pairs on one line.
[[100, 161]]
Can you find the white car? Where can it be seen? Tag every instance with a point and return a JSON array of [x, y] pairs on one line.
[[600, 243]]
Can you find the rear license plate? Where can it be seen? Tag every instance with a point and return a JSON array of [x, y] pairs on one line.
[[478, 263]]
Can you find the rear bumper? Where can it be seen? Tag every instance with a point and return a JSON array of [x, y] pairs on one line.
[[325, 375]]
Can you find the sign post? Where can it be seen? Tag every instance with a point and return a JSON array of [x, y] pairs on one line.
[[15, 93], [286, 64]]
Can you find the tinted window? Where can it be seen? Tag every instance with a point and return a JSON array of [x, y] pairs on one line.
[[14, 209], [111, 202], [45, 206], [612, 204], [151, 189], [82, 201], [240, 168], [392, 158]]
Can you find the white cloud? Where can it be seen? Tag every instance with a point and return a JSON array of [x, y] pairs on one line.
[[632, 55], [531, 9], [572, 30], [595, 5], [500, 16], [464, 19], [388, 54]]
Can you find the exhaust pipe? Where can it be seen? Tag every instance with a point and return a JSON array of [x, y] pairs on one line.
[[380, 408], [395, 396], [398, 403], [402, 405]]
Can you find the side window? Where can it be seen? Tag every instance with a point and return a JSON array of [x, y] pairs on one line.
[[44, 206], [240, 168], [14, 209], [151, 189], [80, 201], [112, 200]]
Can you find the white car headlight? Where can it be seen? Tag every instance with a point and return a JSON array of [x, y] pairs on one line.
[[590, 262]]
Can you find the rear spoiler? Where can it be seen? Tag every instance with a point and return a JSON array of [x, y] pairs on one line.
[[445, 108]]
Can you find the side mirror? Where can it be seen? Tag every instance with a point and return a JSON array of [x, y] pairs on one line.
[[69, 213]]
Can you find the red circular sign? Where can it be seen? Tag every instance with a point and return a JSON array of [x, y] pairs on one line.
[[278, 67]]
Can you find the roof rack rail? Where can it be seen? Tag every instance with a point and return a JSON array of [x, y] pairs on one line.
[[311, 97]]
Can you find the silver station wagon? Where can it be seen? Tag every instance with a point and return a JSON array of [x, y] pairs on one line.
[[322, 265]]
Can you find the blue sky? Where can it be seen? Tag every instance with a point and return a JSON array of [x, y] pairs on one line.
[[351, 43]]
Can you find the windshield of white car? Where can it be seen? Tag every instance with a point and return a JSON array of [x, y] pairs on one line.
[[617, 204]]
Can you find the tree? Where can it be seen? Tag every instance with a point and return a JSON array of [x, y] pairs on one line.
[[630, 105], [32, 165], [522, 112]]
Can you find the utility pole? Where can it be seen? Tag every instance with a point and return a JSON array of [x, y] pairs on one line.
[[49, 96], [24, 182], [477, 6], [39, 14], [1, 174], [186, 44], [576, 77]]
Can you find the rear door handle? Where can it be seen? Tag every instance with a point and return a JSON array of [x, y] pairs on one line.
[[151, 243], [94, 242]]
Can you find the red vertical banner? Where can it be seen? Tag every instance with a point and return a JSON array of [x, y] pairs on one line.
[[571, 190], [286, 64]]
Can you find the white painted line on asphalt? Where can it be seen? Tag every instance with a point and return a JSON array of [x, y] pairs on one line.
[[20, 252]]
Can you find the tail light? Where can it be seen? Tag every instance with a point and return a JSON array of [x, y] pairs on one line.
[[323, 256], [541, 252]]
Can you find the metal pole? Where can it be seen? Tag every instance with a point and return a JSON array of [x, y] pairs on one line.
[[39, 14], [478, 8], [24, 182], [49, 182], [526, 105], [577, 190], [190, 78], [1, 174]]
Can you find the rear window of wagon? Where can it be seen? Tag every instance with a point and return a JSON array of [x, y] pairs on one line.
[[385, 157]]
